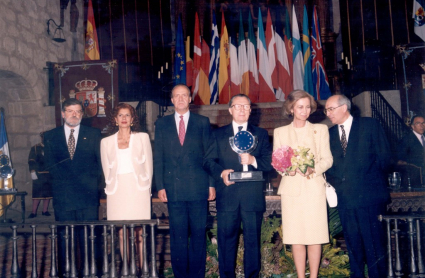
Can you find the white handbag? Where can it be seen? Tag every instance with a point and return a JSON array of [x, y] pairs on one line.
[[330, 194]]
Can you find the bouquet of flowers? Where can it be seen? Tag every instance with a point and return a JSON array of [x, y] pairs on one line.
[[285, 159]]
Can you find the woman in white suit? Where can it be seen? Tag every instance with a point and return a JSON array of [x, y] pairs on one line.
[[128, 168], [304, 210]]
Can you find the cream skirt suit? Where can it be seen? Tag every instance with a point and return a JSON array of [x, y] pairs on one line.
[[304, 209], [128, 177]]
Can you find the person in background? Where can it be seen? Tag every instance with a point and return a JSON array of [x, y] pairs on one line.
[[411, 148], [304, 210], [128, 168], [41, 188], [362, 157]]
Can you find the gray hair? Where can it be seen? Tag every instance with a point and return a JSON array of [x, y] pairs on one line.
[[239, 95], [71, 101], [344, 100]]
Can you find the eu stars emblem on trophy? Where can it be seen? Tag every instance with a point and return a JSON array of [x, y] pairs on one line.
[[244, 142]]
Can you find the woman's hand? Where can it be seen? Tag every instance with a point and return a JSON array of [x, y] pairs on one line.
[[307, 173], [292, 173]]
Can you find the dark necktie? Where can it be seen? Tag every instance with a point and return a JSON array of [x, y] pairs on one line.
[[240, 128], [182, 131], [71, 144], [343, 140], [423, 141]]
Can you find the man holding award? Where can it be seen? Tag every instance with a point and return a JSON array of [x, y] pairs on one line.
[[240, 197]]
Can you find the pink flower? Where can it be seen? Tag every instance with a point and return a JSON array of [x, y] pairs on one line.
[[281, 158]]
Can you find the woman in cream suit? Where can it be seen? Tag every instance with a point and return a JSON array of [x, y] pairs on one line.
[[128, 167], [304, 210]]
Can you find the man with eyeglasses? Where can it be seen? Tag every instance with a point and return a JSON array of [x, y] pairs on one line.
[[411, 149], [72, 156], [241, 201], [361, 156]]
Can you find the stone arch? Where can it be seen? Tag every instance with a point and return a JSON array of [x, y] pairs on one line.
[[26, 115]]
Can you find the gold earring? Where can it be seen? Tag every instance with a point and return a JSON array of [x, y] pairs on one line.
[[116, 123], [131, 124]]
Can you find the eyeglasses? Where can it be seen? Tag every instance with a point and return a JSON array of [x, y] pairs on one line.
[[423, 123], [240, 106], [331, 109], [78, 112]]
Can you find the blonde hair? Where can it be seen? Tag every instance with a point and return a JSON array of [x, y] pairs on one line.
[[293, 97]]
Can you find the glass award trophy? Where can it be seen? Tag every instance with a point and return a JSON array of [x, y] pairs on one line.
[[244, 142]]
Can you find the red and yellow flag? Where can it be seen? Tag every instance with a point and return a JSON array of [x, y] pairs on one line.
[[91, 49], [223, 72]]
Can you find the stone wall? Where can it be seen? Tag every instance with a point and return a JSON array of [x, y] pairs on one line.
[[25, 47]]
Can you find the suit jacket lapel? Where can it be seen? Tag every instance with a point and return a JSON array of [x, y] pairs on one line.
[[172, 131], [335, 142], [353, 138], [228, 134], [190, 133]]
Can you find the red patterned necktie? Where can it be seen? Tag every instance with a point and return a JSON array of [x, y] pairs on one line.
[[71, 144], [182, 131]]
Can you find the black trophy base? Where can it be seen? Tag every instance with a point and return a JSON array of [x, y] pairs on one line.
[[246, 176]]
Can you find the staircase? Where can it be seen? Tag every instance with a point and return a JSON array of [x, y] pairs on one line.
[[392, 123]]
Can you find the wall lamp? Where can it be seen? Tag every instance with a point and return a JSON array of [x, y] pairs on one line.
[[58, 35]]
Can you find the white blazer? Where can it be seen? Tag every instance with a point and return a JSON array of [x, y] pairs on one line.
[[141, 155]]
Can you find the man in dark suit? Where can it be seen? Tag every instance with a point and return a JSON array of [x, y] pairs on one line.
[[72, 156], [241, 201], [361, 157], [411, 149], [181, 141]]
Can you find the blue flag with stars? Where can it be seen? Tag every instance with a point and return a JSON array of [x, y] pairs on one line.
[[180, 58]]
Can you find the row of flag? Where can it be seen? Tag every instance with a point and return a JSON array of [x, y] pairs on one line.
[[266, 67]]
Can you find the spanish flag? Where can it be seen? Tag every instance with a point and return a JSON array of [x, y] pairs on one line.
[[223, 70], [91, 49]]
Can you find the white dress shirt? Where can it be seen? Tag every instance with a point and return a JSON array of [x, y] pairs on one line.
[[185, 119], [347, 127]]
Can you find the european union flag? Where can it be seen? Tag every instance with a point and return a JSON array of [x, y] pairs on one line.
[[180, 58]]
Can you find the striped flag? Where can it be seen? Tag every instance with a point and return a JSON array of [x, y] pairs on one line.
[[320, 80], [271, 50], [197, 53], [298, 67], [308, 82], [204, 95], [252, 64], [282, 64], [243, 59], [223, 73], [213, 75], [235, 76], [289, 46], [189, 64], [180, 57], [91, 48], [4, 150], [266, 93]]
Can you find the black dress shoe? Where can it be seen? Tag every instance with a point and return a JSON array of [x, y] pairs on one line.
[[32, 215], [46, 213]]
